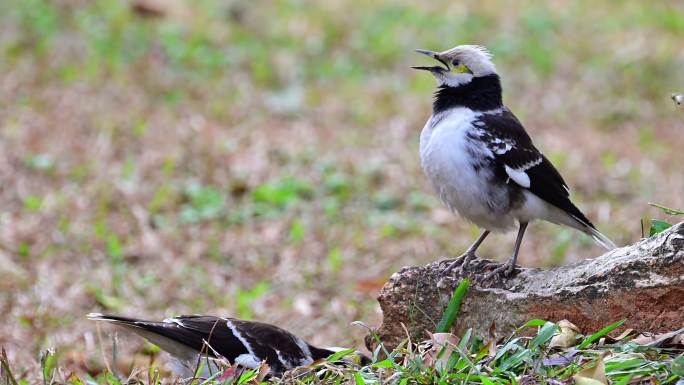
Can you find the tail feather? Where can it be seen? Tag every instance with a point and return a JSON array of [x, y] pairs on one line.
[[115, 319], [589, 229], [147, 328], [183, 346], [177, 335], [177, 341], [126, 322], [601, 239], [152, 331]]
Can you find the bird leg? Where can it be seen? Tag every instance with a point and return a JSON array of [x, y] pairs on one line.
[[463, 260], [507, 268]]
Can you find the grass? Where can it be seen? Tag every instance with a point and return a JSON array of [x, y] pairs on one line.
[[522, 358], [658, 225], [452, 309], [261, 159]]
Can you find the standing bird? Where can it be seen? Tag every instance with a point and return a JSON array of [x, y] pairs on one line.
[[481, 161], [243, 343]]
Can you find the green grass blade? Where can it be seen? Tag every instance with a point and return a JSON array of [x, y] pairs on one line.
[[47, 363], [454, 306], [544, 335], [667, 210], [383, 364], [486, 381], [624, 380], [336, 356], [601, 333], [515, 359], [677, 366], [6, 371], [247, 377], [533, 323], [465, 340], [625, 365], [467, 360], [509, 346]]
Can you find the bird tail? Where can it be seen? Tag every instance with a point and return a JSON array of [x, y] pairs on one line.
[[152, 331], [588, 228], [182, 345], [601, 239], [175, 340], [159, 333], [115, 319], [568, 214]]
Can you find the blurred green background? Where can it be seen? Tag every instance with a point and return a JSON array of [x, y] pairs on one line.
[[259, 158]]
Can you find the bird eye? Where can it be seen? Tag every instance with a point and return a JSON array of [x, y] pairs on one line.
[[456, 62]]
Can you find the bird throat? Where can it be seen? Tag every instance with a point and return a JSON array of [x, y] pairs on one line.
[[481, 94]]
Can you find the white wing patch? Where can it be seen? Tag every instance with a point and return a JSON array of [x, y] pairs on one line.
[[248, 361], [519, 176], [242, 339]]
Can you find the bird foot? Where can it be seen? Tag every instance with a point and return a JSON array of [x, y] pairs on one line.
[[460, 262], [503, 271]]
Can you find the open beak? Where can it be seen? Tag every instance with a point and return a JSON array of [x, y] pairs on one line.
[[434, 55]]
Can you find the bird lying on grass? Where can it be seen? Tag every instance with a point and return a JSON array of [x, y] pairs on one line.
[[481, 161], [243, 343]]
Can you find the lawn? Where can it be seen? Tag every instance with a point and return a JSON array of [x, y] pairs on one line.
[[260, 159]]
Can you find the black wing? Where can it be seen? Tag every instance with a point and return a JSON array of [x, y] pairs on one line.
[[231, 338], [191, 331], [278, 345], [515, 155]]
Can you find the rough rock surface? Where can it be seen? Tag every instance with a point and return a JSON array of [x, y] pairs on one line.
[[643, 282]]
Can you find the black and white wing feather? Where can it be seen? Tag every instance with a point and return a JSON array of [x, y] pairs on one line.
[[516, 157], [245, 343]]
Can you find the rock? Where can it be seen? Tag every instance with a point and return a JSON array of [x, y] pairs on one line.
[[643, 283]]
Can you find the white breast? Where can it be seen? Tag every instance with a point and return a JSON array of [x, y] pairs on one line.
[[447, 159]]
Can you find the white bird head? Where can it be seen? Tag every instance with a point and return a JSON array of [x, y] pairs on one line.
[[460, 64]]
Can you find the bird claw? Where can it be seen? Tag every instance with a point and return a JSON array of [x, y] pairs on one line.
[[503, 271], [460, 262]]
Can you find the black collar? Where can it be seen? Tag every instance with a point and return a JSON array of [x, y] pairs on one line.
[[481, 94]]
